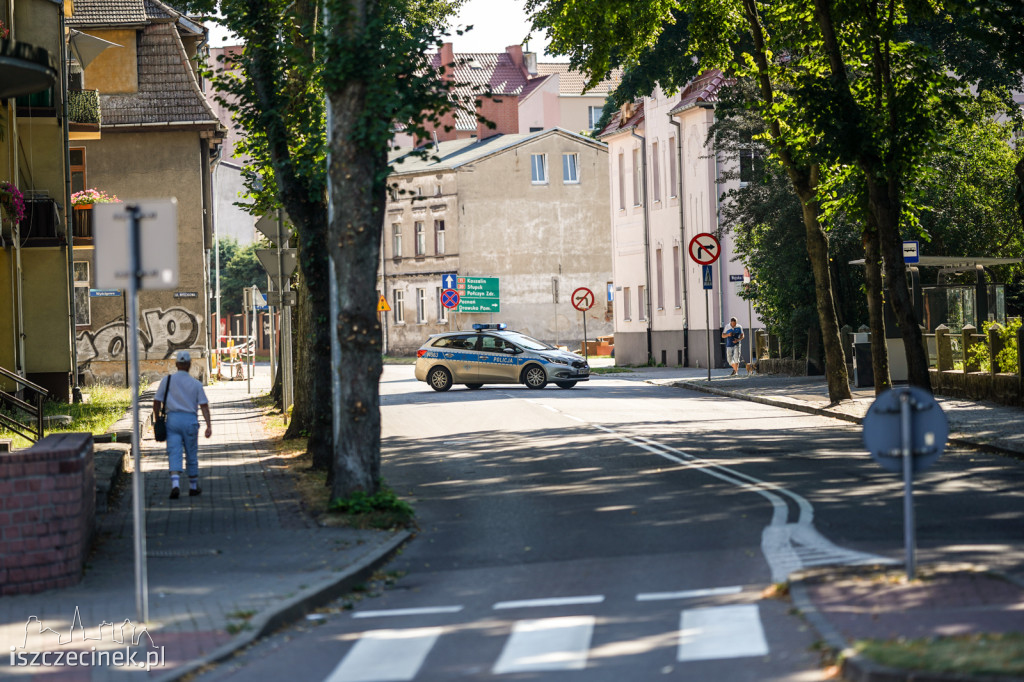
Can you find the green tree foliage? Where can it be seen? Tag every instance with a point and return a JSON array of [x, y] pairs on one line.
[[239, 268]]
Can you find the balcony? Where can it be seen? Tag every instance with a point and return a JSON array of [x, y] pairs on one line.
[[84, 115]]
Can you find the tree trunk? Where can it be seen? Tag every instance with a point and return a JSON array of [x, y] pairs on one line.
[[817, 250], [883, 202], [876, 315], [357, 203]]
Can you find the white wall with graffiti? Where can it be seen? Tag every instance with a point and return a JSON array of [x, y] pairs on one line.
[[162, 333]]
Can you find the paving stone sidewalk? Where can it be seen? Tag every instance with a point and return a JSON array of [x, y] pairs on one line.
[[223, 567]]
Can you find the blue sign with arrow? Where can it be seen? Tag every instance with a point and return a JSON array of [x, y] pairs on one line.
[[449, 280], [708, 281]]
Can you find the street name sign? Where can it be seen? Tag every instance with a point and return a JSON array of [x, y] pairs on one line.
[[478, 294], [735, 278], [704, 248]]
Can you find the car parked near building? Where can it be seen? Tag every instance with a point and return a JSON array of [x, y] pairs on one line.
[[493, 354]]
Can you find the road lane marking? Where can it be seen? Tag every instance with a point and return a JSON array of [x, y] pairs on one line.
[[689, 594], [546, 645], [554, 601], [386, 655], [721, 632], [424, 611]]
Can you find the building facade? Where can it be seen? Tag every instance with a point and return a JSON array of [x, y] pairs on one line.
[[530, 211], [664, 184]]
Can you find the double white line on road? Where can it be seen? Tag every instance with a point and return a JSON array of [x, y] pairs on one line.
[[786, 546]]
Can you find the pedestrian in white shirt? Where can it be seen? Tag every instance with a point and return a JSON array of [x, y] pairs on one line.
[[184, 396]]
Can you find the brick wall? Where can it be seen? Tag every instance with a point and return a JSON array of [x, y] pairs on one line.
[[47, 509]]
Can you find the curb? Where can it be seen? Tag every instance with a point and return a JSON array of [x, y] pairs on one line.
[[800, 406], [296, 607]]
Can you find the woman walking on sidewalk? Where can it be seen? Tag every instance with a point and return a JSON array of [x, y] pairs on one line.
[[183, 396]]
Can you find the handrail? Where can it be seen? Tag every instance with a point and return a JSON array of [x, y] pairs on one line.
[[36, 411]]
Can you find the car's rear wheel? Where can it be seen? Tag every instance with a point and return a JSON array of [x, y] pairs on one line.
[[439, 379], [473, 387], [565, 384], [534, 376]]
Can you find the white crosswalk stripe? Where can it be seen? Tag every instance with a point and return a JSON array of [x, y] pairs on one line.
[[547, 644], [386, 656], [721, 632]]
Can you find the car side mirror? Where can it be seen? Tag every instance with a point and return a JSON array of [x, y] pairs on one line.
[[511, 351]]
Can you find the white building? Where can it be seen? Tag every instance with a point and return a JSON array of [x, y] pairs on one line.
[[664, 189]]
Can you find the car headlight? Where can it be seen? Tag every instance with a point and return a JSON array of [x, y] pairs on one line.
[[558, 361]]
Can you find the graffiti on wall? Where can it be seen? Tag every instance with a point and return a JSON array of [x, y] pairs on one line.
[[162, 332]]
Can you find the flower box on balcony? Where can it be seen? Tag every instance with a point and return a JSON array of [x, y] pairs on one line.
[[81, 220]]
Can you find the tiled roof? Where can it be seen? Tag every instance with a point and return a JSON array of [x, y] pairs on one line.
[[617, 125], [107, 13], [532, 85], [572, 82], [168, 91], [477, 72], [703, 88], [158, 10]]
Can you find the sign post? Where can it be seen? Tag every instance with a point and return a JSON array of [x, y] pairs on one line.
[[124, 259], [906, 430], [583, 300], [704, 250], [280, 262]]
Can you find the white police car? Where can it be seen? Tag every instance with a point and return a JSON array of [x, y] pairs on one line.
[[491, 354]]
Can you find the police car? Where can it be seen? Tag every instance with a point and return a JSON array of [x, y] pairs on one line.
[[492, 354]]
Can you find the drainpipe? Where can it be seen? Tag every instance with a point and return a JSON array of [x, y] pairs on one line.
[[682, 239], [718, 232], [647, 242]]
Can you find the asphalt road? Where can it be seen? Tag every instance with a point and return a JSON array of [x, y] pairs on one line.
[[625, 531]]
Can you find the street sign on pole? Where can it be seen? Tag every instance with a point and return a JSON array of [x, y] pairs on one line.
[[450, 299], [267, 225], [449, 280], [704, 248], [478, 294], [905, 429], [382, 305], [708, 277], [583, 299], [275, 267], [136, 255], [911, 252]]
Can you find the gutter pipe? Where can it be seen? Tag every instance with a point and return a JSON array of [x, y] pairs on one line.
[[647, 244], [682, 239]]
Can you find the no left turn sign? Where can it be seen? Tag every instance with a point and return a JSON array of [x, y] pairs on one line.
[[583, 299], [704, 248]]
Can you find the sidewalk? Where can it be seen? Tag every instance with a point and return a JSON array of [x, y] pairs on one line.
[[846, 604], [225, 567]]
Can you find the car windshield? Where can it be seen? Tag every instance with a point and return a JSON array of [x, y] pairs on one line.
[[526, 342]]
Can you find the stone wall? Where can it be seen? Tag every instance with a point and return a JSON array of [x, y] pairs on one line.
[[47, 510]]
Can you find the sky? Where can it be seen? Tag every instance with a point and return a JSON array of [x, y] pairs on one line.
[[496, 24]]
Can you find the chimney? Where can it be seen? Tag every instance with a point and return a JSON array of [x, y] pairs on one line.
[[531, 63], [515, 53], [448, 61]]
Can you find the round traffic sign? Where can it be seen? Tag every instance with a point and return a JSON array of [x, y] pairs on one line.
[[883, 428], [704, 248], [450, 298], [582, 299]]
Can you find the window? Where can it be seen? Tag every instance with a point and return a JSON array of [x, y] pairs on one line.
[[421, 306], [672, 167], [622, 180], [611, 296], [746, 165], [83, 313], [398, 306], [396, 239], [421, 239], [442, 312], [641, 291], [570, 169], [539, 169], [677, 276], [437, 190], [536, 129], [439, 237], [627, 305], [656, 172], [661, 279], [78, 169], [637, 178], [593, 116]]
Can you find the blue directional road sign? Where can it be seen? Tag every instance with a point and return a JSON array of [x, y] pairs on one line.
[[708, 282], [449, 280]]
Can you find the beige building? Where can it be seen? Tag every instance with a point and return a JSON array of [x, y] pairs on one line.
[[157, 140], [35, 305], [664, 187], [579, 111], [528, 210]]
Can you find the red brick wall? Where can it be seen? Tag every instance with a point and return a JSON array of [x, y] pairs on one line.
[[503, 111], [47, 509]]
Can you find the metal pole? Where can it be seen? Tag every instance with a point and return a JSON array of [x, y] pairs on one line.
[[245, 344], [750, 330], [127, 372], [908, 480], [584, 334], [138, 489], [707, 321], [273, 342]]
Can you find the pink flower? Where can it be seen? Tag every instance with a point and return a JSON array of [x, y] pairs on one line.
[[12, 201], [93, 196]]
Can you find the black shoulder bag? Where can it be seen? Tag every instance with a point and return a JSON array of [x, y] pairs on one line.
[[160, 418]]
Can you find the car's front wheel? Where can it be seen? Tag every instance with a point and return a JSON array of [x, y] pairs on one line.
[[565, 384], [439, 379], [535, 377], [473, 387]]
